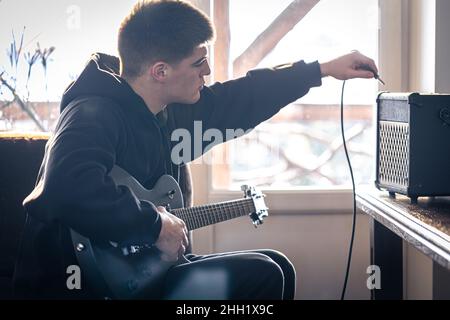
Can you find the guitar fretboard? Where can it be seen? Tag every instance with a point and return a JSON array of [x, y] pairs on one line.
[[201, 216]]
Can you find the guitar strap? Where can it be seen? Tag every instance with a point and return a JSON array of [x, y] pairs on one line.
[[163, 119]]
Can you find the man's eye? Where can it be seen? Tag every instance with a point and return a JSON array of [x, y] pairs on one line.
[[198, 64]]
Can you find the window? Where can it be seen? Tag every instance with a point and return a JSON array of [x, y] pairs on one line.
[[302, 145], [76, 29]]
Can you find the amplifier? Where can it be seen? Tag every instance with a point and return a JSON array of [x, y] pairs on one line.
[[413, 144]]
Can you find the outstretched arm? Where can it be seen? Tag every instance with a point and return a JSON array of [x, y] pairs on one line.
[[245, 102]]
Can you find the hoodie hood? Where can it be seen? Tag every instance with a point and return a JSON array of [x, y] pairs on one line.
[[101, 78]]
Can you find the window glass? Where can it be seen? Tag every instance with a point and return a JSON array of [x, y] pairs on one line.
[[302, 145], [75, 28]]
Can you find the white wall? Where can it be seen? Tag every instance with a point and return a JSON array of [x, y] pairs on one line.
[[442, 78], [316, 243], [429, 48], [422, 46], [415, 56]]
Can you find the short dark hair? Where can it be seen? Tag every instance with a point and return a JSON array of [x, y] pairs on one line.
[[166, 30]]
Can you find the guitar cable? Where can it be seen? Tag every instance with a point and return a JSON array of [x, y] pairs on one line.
[[350, 251]]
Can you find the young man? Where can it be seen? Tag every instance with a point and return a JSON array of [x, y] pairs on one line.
[[122, 112]]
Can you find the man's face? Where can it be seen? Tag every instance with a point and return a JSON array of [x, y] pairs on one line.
[[186, 78]]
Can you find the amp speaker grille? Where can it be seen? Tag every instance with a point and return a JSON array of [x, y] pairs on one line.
[[394, 153]]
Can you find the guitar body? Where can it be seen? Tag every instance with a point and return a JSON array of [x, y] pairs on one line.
[[138, 272], [129, 275]]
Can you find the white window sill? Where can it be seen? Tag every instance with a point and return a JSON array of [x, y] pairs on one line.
[[298, 200]]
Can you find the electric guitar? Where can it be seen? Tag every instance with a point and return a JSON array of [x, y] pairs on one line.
[[138, 272]]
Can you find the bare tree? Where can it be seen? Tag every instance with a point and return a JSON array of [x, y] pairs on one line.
[[10, 81], [270, 37]]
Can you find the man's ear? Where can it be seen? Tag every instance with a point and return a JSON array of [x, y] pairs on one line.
[[159, 71]]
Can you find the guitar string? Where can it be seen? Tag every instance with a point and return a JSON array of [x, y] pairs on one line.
[[207, 214], [204, 212], [206, 209]]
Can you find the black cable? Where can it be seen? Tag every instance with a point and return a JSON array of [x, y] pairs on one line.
[[354, 196]]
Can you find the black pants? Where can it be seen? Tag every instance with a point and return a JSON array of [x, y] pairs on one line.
[[240, 275]]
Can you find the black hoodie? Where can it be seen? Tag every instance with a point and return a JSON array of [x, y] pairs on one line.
[[103, 122]]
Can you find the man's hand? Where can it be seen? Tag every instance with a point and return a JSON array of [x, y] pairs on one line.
[[352, 65], [173, 240]]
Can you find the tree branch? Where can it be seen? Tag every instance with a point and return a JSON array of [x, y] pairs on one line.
[[24, 106], [4, 106], [270, 37]]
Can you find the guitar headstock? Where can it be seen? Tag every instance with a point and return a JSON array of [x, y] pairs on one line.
[[261, 210]]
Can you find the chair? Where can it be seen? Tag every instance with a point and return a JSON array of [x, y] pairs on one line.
[[20, 159]]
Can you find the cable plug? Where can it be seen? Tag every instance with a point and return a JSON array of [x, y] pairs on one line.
[[368, 68]]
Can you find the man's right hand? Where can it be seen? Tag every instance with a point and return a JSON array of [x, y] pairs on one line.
[[172, 240], [352, 65]]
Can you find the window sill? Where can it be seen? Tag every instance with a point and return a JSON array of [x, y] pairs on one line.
[[298, 201]]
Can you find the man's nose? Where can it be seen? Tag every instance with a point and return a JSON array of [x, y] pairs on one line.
[[206, 70]]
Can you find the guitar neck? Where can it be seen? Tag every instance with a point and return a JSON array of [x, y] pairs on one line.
[[202, 216]]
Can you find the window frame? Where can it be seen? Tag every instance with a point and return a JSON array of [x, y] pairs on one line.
[[393, 43]]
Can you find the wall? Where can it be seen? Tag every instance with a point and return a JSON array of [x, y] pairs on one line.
[[430, 63], [316, 241], [422, 48], [429, 59], [442, 77]]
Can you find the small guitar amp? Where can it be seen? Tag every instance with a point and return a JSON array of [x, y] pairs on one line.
[[413, 144]]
